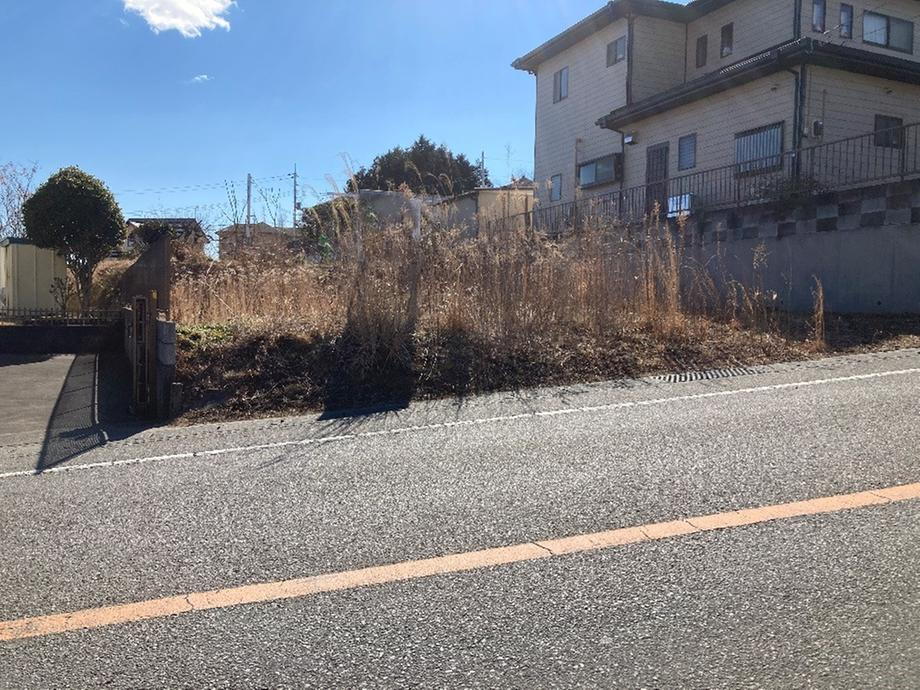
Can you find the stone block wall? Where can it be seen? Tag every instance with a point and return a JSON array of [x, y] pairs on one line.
[[895, 203]]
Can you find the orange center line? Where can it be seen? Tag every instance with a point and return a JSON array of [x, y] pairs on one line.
[[410, 570]]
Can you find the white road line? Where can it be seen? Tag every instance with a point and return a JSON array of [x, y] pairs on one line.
[[105, 435], [466, 422]]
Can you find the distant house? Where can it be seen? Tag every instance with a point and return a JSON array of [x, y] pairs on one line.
[[466, 211], [239, 240], [387, 208], [369, 208], [470, 210], [186, 231]]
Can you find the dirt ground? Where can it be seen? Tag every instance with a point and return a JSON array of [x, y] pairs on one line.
[[230, 373]]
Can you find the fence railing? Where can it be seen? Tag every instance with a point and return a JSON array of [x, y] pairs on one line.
[[881, 156], [92, 317]]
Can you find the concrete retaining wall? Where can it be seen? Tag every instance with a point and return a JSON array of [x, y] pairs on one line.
[[862, 244], [151, 272], [58, 339]]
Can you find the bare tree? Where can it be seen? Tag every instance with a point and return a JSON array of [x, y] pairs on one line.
[[232, 213], [271, 206], [15, 188]]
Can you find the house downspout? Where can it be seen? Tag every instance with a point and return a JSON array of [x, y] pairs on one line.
[[803, 102], [630, 33], [798, 115], [796, 107], [797, 21], [686, 48], [536, 124]]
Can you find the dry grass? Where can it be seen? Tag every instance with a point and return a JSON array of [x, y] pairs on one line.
[[504, 287], [389, 318], [106, 283], [819, 330]]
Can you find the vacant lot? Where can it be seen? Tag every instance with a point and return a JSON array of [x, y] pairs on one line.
[[386, 319]]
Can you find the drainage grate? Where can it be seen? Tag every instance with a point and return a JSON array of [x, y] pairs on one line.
[[705, 375]]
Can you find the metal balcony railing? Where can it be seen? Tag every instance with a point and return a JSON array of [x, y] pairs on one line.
[[881, 156]]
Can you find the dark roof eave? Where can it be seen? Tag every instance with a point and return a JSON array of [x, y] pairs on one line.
[[782, 57], [864, 62], [575, 33], [684, 94]]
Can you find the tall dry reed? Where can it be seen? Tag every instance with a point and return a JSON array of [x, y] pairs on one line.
[[509, 288]]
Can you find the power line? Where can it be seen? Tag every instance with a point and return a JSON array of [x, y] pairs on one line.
[[200, 187]]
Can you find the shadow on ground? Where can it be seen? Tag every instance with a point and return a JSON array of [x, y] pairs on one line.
[[375, 379], [91, 409], [847, 332], [9, 360]]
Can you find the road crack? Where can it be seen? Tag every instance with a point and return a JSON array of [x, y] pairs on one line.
[[547, 549]]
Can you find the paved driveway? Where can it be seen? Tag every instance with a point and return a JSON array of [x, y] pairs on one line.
[[29, 390], [57, 408]]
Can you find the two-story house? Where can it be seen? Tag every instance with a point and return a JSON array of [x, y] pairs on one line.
[[643, 91]]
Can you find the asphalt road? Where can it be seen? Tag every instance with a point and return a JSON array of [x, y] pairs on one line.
[[829, 600]]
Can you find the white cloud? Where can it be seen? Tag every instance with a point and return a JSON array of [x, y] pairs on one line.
[[188, 17], [200, 79]]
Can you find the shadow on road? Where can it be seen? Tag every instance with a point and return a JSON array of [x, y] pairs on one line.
[[91, 409]]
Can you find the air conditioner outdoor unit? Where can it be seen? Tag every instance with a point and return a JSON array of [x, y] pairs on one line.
[[682, 204]]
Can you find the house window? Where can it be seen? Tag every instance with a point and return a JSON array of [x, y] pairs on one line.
[[616, 51], [555, 188], [728, 40], [561, 85], [759, 150], [889, 132], [600, 171], [686, 152], [888, 32], [702, 50], [818, 15], [846, 21]]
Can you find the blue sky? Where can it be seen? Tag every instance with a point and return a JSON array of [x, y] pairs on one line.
[[110, 85]]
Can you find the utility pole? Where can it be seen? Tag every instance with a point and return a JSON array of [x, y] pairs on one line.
[[295, 197], [248, 205], [482, 170]]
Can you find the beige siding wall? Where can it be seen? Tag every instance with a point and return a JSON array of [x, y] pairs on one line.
[[566, 132], [759, 25], [29, 275], [658, 56], [902, 9], [466, 211], [500, 203], [848, 103], [715, 120]]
